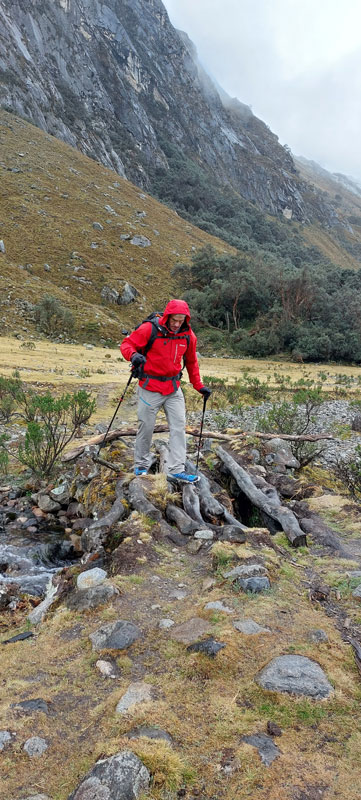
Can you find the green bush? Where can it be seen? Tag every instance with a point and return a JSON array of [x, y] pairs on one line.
[[51, 424], [294, 418], [348, 471], [52, 318]]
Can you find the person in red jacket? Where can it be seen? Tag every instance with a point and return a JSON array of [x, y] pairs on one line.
[[159, 373]]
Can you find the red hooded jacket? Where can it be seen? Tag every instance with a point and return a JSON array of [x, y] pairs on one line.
[[165, 357]]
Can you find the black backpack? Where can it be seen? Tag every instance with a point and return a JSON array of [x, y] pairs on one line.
[[154, 318]]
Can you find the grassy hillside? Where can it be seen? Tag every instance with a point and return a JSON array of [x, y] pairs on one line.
[[50, 196]]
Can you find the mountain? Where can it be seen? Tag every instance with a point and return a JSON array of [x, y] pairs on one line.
[[117, 81]]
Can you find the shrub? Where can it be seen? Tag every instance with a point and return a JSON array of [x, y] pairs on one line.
[[51, 424], [52, 318], [348, 471], [294, 418]]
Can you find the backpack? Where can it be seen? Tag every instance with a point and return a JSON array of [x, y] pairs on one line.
[[154, 318]]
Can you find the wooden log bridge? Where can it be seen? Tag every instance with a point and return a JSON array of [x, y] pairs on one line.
[[265, 498]]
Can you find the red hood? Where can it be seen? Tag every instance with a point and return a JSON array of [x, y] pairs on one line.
[[176, 307]]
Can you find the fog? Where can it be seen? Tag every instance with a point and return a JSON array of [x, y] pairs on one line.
[[296, 63]]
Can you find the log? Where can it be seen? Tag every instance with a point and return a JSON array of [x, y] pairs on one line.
[[139, 502], [93, 537], [191, 503], [120, 432], [265, 501], [184, 523]]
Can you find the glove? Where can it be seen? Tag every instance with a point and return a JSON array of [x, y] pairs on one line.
[[205, 392], [138, 360]]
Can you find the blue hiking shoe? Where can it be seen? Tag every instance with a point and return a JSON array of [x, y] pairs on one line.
[[140, 471], [183, 477]]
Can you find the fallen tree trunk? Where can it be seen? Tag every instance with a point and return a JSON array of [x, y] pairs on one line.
[[266, 499], [139, 501], [184, 523], [225, 437]]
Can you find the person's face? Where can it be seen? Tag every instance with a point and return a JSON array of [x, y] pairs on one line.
[[175, 321]]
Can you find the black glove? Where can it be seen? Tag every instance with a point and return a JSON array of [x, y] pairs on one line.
[[205, 392], [138, 360]]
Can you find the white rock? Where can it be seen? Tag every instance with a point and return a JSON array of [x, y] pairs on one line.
[[166, 623], [204, 535], [92, 577], [136, 693]]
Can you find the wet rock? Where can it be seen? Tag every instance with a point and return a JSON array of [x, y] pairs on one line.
[[115, 635], [122, 776], [209, 647], [191, 630], [35, 746], [90, 578], [136, 693], [266, 747], [249, 627], [150, 733], [84, 599], [295, 674]]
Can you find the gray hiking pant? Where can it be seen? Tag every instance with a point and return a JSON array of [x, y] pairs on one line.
[[149, 404]]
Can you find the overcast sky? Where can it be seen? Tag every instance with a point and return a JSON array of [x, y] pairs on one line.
[[297, 63]]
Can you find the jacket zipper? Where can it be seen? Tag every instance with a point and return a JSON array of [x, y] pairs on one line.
[[176, 351]]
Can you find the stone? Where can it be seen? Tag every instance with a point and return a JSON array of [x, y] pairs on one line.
[[90, 578], [204, 535], [46, 503], [266, 747], [120, 777], [190, 631], [165, 624], [140, 241], [136, 693], [193, 547], [2, 246], [233, 534], [106, 669], [97, 226], [37, 797], [61, 494], [129, 294], [356, 423], [84, 599], [109, 295], [294, 674], [357, 592], [150, 733], [209, 647], [254, 585], [249, 627], [217, 605], [115, 635], [35, 746], [273, 729], [318, 635], [246, 571], [6, 737]]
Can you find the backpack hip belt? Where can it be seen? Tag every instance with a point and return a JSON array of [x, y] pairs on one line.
[[162, 378]]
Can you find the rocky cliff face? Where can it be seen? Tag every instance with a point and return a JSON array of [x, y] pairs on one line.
[[116, 80]]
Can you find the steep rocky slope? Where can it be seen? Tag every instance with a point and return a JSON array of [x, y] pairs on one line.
[[118, 81]]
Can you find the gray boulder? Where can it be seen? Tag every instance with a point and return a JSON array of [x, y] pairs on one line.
[[295, 675], [128, 295], [84, 599], [141, 241], [115, 635], [35, 746], [120, 777], [356, 423], [266, 747]]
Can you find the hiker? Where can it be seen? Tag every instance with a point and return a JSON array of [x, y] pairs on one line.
[[159, 369]]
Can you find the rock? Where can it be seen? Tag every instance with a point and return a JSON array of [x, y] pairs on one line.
[[150, 732], [204, 535], [37, 797], [115, 635], [45, 503], [2, 246], [266, 747], [246, 571], [97, 226], [106, 669], [193, 547], [84, 599], [254, 585], [217, 605], [38, 613], [6, 737], [295, 674], [233, 534], [318, 635], [357, 592], [136, 693], [273, 729], [249, 627], [356, 423], [191, 630], [109, 295], [30, 706], [35, 746], [209, 647], [61, 494], [129, 294], [140, 241], [90, 578], [165, 624], [120, 777]]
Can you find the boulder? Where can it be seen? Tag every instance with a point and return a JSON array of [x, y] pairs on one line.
[[115, 635], [295, 674], [120, 777]]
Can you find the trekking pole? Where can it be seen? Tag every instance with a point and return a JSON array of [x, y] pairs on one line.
[[115, 412], [200, 433]]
